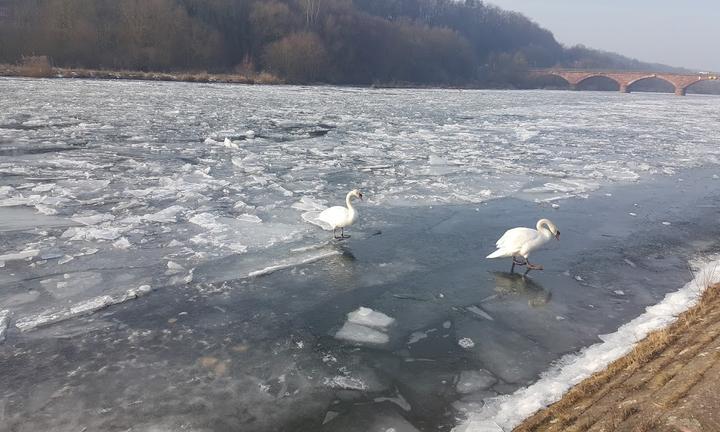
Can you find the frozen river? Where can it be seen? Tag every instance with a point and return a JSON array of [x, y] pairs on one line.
[[156, 272]]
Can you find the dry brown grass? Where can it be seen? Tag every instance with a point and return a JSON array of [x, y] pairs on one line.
[[565, 412], [648, 424], [267, 78], [36, 67]]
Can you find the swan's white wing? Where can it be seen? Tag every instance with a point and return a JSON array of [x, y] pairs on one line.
[[511, 242], [334, 216], [312, 217], [516, 237]]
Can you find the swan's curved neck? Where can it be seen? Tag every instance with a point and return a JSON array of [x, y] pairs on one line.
[[348, 201]]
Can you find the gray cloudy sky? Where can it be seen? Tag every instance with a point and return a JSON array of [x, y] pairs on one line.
[[676, 32]]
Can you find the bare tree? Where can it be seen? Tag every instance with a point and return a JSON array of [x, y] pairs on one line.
[[312, 11]]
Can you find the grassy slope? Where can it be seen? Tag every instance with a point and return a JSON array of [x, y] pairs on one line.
[[668, 382]]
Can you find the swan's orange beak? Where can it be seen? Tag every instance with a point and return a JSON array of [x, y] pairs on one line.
[[557, 235]]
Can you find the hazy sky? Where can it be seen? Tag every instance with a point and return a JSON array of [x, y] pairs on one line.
[[676, 32]]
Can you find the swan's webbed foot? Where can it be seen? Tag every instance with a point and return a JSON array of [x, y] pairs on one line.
[[532, 267]]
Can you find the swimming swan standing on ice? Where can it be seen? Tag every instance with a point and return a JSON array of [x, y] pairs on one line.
[[519, 242], [339, 216]]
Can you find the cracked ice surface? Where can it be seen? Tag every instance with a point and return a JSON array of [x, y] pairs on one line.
[[199, 190], [164, 171]]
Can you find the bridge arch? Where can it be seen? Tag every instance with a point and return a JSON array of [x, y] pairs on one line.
[[632, 82], [573, 80], [714, 81], [602, 76]]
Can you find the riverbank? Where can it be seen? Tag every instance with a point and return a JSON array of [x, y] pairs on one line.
[[44, 71], [667, 383]]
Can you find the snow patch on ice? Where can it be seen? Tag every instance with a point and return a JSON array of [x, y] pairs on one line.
[[466, 343], [345, 383]]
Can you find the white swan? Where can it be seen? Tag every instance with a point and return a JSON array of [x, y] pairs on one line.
[[339, 216], [519, 242]]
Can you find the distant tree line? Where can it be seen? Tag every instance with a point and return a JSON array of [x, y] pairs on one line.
[[446, 42]]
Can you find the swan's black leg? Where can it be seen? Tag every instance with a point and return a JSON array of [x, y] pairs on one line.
[[342, 233], [515, 261]]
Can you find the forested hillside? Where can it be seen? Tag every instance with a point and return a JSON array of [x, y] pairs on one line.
[[336, 41]]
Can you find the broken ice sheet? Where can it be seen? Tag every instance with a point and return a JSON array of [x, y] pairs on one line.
[[365, 325], [370, 318], [359, 333], [4, 320]]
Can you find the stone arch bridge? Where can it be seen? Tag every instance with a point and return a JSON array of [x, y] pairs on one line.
[[625, 79]]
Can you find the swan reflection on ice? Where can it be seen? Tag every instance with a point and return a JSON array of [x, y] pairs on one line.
[[516, 285]]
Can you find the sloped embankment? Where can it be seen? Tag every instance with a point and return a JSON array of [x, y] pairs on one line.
[[668, 382]]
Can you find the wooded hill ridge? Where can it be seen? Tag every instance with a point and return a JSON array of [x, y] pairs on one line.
[[426, 42]]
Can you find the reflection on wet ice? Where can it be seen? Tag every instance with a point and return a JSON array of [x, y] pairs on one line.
[[517, 285]]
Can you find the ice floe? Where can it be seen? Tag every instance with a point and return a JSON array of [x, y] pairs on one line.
[[166, 215], [101, 232], [474, 380], [16, 256], [293, 262], [466, 343], [4, 320], [366, 325], [345, 382], [370, 318], [78, 309]]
